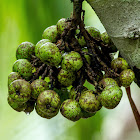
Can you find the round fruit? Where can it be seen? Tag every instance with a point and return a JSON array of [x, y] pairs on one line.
[[30, 106], [127, 76], [111, 96], [12, 77], [66, 78], [20, 90], [72, 61], [50, 33], [48, 101], [89, 102], [61, 24], [25, 50], [119, 64], [45, 114], [107, 82], [38, 86], [86, 115], [50, 54], [16, 105], [71, 110], [39, 44], [24, 68], [95, 33]]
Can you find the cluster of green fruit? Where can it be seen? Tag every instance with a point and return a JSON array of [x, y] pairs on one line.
[[27, 93]]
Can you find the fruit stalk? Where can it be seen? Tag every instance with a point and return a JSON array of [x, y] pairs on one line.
[[134, 108]]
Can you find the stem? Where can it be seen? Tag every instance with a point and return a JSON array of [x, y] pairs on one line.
[[134, 108]]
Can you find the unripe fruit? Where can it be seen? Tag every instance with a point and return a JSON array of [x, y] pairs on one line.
[[39, 44], [89, 102], [107, 41], [72, 61], [111, 96], [48, 101], [38, 86], [86, 115], [61, 24], [71, 110], [25, 50], [95, 33], [50, 33], [45, 114], [24, 68], [30, 106], [119, 64], [50, 54], [20, 90], [66, 78], [107, 82], [16, 105], [127, 76], [12, 77]]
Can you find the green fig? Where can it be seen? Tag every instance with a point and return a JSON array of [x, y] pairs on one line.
[[25, 50], [127, 76], [50, 33], [72, 61], [38, 86], [66, 78], [24, 68], [89, 102], [50, 54], [39, 44], [111, 96], [71, 110]]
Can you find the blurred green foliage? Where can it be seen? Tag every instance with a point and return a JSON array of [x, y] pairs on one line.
[[25, 20]]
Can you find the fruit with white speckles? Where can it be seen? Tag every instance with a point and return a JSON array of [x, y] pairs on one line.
[[24, 68], [39, 44], [66, 78], [119, 64], [111, 96], [12, 77], [16, 105], [50, 33], [127, 76], [61, 24], [20, 90], [38, 86], [89, 102], [25, 50], [107, 82], [71, 110], [72, 61], [50, 54], [48, 102]]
